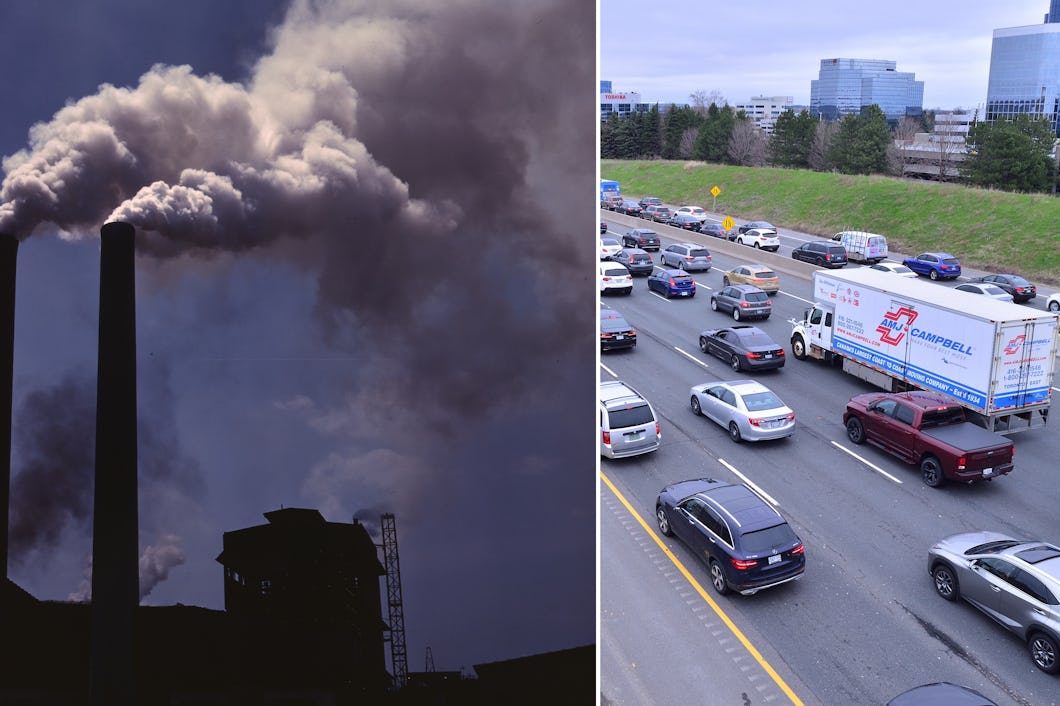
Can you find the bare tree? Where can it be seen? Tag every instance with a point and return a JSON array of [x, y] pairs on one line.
[[687, 143], [747, 145], [822, 138], [899, 154], [701, 100]]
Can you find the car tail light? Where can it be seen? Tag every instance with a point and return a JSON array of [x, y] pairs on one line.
[[1019, 289], [755, 356], [801, 549], [672, 283], [743, 564], [658, 429], [961, 463], [606, 278], [745, 304], [827, 257], [754, 422], [779, 352], [607, 437], [689, 259], [791, 417]]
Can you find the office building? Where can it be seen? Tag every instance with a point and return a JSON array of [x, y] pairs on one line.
[[621, 103], [763, 111], [1025, 71], [846, 86]]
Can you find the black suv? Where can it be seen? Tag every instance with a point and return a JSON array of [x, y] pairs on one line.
[[747, 544], [821, 253]]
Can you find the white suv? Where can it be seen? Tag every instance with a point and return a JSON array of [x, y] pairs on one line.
[[760, 238], [628, 424], [614, 277]]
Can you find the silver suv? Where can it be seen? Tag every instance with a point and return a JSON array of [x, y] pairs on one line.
[[628, 424], [1014, 581]]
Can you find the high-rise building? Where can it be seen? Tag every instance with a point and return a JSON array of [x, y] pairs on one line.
[[846, 86], [1025, 71], [605, 86]]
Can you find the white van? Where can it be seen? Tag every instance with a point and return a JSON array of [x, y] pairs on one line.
[[868, 248]]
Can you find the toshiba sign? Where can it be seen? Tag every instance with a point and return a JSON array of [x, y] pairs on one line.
[[615, 96]]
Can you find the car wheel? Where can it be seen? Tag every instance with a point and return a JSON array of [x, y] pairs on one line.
[[798, 348], [736, 313], [717, 578], [1054, 305], [1044, 650], [725, 281], [629, 289], [945, 582], [713, 304], [664, 524], [819, 262], [734, 432], [734, 363], [757, 246], [931, 471], [933, 275], [855, 431], [697, 409]]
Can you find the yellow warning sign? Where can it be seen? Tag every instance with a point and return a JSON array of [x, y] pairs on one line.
[[728, 223], [715, 191]]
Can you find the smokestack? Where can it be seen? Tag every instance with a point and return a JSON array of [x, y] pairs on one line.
[[115, 559], [8, 255]]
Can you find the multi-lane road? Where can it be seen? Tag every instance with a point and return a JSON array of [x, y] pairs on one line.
[[864, 623]]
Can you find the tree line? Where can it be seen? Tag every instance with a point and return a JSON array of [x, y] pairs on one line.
[[1013, 155]]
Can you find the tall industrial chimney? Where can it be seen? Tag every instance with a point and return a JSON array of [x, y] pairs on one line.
[[115, 573], [8, 254]]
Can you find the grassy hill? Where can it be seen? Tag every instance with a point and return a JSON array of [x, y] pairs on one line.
[[989, 230]]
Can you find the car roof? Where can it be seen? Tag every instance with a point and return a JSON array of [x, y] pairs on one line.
[[615, 392], [744, 387], [745, 506], [643, 230], [745, 287], [672, 272]]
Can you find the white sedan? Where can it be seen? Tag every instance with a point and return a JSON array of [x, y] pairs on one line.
[[609, 247], [894, 268], [986, 290]]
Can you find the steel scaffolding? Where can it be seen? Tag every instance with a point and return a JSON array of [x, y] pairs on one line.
[[398, 658]]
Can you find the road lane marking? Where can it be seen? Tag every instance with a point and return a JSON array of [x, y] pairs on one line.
[[808, 301], [609, 370], [691, 357], [868, 463], [747, 480], [777, 679]]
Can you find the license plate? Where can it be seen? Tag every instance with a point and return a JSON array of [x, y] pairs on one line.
[[684, 294], [769, 355], [635, 436], [775, 559], [619, 337], [988, 471]]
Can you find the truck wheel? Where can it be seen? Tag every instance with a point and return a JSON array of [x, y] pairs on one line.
[[798, 348], [931, 471], [855, 431], [945, 582], [1044, 652]]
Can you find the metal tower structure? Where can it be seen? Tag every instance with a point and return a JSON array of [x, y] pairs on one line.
[[398, 658]]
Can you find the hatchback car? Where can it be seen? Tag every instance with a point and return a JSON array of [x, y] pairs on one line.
[[615, 278], [630, 208], [765, 225], [760, 238], [896, 268], [696, 211], [644, 238], [657, 214], [985, 290], [672, 283], [688, 256], [628, 423], [821, 253], [743, 301], [1014, 581], [714, 228], [608, 247], [936, 265], [1020, 289], [684, 221], [635, 260], [758, 275], [747, 545], [747, 409], [615, 331], [743, 347]]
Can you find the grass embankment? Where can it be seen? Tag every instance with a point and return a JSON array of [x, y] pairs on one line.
[[994, 231]]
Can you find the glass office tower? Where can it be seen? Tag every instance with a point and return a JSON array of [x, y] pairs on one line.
[[1025, 72], [846, 86]]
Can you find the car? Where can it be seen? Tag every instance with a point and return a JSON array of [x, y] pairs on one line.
[[644, 238], [764, 225], [615, 331], [894, 268], [986, 290], [714, 228], [608, 247], [656, 214], [760, 238], [743, 346], [758, 275], [635, 260], [650, 201], [941, 693], [747, 409], [747, 545], [696, 211], [1014, 581], [672, 283], [628, 423], [743, 301], [1053, 302], [611, 201], [630, 208], [685, 221], [603, 226], [821, 253], [614, 277], [1020, 289], [687, 256], [936, 265]]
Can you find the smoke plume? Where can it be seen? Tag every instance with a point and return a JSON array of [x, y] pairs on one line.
[[157, 560]]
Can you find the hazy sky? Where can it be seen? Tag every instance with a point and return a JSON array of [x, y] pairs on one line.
[[341, 304], [668, 49]]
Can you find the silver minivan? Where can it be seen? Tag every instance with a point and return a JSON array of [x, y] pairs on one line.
[[628, 424], [862, 246]]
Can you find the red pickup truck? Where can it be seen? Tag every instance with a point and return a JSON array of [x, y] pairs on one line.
[[927, 430]]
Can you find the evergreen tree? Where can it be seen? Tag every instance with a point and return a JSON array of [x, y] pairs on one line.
[[861, 145], [792, 139], [627, 137], [651, 133], [712, 144], [1011, 155], [677, 122], [609, 137]]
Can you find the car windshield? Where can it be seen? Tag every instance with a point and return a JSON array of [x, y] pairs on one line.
[[766, 540], [756, 401], [699, 252], [630, 416], [756, 297], [941, 417]]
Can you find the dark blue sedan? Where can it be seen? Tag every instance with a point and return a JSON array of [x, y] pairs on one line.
[[672, 283], [936, 265]]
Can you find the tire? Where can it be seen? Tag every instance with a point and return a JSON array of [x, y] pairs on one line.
[[1054, 305], [1044, 652], [734, 363], [931, 472], [933, 275], [697, 409], [736, 313], [713, 304], [798, 348], [757, 246], [725, 281], [664, 524], [717, 578], [855, 431], [734, 432], [692, 295], [946, 582], [819, 262], [629, 290]]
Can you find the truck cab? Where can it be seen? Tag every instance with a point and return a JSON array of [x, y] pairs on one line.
[[812, 337]]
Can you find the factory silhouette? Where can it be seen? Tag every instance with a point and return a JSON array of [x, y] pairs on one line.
[[303, 622]]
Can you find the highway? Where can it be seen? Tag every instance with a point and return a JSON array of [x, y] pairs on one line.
[[863, 624]]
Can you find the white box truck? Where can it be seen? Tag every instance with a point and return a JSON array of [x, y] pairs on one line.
[[995, 358]]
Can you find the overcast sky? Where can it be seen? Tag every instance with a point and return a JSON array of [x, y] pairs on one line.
[[345, 301], [668, 49]]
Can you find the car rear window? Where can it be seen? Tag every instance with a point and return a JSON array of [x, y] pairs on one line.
[[765, 540], [950, 261], [942, 417], [764, 274], [643, 257], [757, 339], [756, 297], [699, 252], [682, 279], [837, 250], [631, 416], [761, 400], [615, 272]]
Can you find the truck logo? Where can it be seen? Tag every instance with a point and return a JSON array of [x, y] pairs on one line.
[[892, 329], [1014, 345]]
